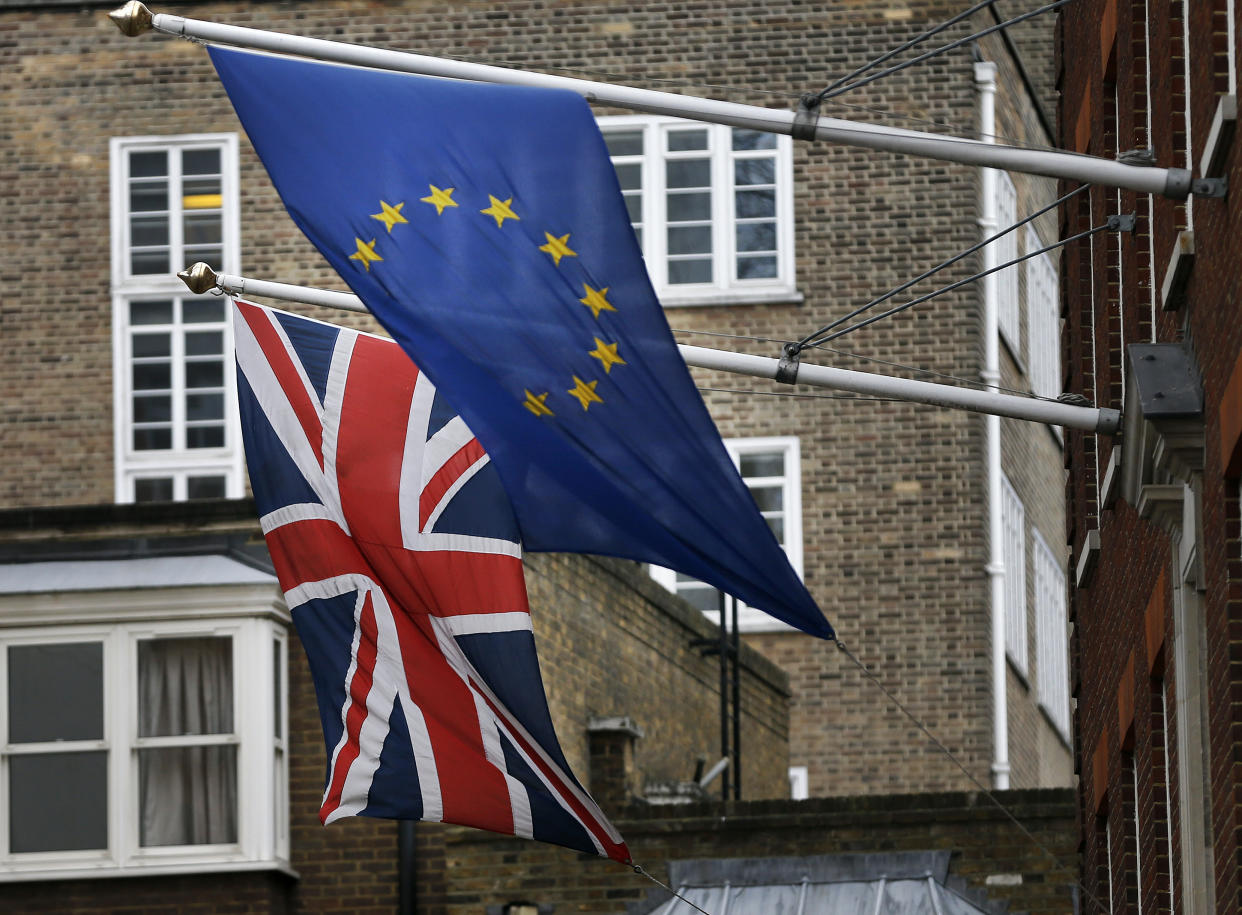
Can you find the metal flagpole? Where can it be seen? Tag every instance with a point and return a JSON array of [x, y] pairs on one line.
[[134, 18], [201, 278]]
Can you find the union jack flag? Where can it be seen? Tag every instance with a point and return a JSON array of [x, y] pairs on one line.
[[400, 560]]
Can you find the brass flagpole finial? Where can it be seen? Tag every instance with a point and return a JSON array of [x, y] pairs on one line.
[[199, 277], [132, 19]]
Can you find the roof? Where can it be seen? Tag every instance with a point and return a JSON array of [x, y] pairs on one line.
[[109, 574], [907, 883]]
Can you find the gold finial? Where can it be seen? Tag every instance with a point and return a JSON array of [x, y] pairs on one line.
[[199, 277], [132, 19]]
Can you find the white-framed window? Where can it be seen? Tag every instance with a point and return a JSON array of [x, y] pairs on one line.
[[1052, 636], [712, 207], [176, 434], [1006, 249], [771, 469], [1043, 321], [143, 746], [799, 783], [1013, 527]]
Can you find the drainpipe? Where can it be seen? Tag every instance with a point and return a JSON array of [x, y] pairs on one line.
[[985, 83]]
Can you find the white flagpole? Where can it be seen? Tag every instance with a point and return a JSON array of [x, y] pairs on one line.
[[134, 19], [201, 278]]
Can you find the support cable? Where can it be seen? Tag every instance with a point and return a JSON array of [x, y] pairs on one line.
[[818, 337], [918, 39], [889, 71], [1114, 224], [870, 675], [642, 872]]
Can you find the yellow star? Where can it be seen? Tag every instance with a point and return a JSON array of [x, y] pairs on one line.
[[585, 392], [500, 211], [557, 247], [595, 300], [606, 353], [389, 215], [365, 253], [537, 404], [443, 198]]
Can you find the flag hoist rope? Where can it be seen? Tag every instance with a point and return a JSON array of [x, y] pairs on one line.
[[134, 18], [201, 278]]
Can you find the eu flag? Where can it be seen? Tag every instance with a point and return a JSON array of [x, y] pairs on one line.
[[484, 227]]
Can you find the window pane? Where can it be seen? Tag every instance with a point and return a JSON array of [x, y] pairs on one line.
[[753, 139], [705, 599], [696, 271], [768, 498], [146, 231], [150, 312], [634, 207], [155, 489], [200, 193], [148, 196], [688, 173], [148, 262], [58, 802], [204, 374], [756, 236], [199, 407], [200, 162], [152, 439], [153, 408], [624, 142], [689, 239], [151, 345], [763, 464], [695, 138], [204, 487], [683, 207], [185, 686], [754, 268], [204, 437], [152, 376], [148, 164], [778, 528], [204, 343], [750, 204], [202, 229], [630, 176], [202, 311], [187, 796], [754, 171], [55, 692]]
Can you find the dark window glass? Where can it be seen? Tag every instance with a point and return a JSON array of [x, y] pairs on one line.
[[696, 271], [146, 262], [763, 464], [58, 802], [148, 197], [151, 345], [152, 376], [681, 140], [200, 161], [751, 204], [204, 374], [624, 142], [159, 312], [154, 408], [204, 437], [148, 164], [688, 173], [753, 139], [756, 268], [202, 311], [55, 692], [204, 487], [153, 489], [152, 439], [204, 343], [754, 171]]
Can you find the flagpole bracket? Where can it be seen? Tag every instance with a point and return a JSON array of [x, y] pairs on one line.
[[1122, 222], [200, 278], [1210, 187], [132, 19], [787, 368], [807, 117]]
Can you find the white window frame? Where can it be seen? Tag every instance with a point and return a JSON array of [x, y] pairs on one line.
[[1013, 526], [1052, 636], [1043, 321], [725, 289], [177, 463], [750, 619], [799, 783], [255, 618], [1009, 314]]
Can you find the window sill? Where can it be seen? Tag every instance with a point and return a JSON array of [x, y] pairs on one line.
[[28, 873], [766, 296]]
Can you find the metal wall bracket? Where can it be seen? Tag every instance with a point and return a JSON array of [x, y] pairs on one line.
[[1121, 222], [1210, 187]]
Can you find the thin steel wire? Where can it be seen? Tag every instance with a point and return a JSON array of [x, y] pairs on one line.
[[818, 337], [641, 871], [870, 675], [970, 279], [889, 71]]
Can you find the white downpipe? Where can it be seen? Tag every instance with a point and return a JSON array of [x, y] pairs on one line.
[[985, 82]]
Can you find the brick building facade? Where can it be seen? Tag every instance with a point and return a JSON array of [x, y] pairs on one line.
[[1151, 327], [884, 507]]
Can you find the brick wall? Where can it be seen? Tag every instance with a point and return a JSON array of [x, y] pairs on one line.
[[1127, 635]]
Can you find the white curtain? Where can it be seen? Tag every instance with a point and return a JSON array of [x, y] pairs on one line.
[[188, 795]]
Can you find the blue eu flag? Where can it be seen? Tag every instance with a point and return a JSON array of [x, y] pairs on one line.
[[484, 227]]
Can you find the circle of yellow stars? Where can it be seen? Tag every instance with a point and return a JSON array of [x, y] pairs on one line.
[[556, 247]]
